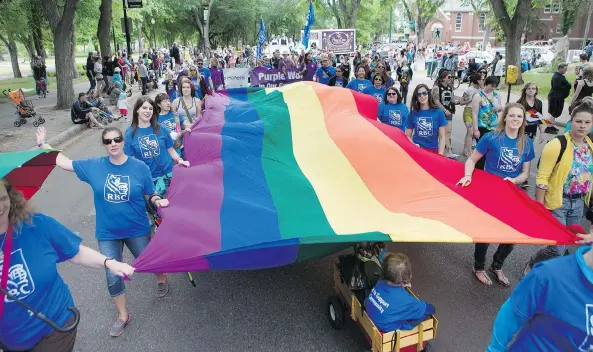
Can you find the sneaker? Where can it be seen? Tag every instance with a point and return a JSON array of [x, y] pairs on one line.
[[117, 329], [162, 289], [452, 155]]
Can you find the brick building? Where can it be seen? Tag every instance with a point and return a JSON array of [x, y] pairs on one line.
[[455, 22]]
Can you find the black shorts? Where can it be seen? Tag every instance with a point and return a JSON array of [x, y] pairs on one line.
[[555, 106], [531, 131]]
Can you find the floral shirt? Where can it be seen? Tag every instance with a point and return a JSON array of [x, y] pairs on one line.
[[487, 117], [579, 177]]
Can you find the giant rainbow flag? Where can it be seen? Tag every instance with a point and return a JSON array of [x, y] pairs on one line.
[[290, 174]]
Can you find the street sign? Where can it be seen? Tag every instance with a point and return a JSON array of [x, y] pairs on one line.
[[134, 4]]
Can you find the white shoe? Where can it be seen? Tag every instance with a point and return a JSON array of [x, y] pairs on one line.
[[452, 156]]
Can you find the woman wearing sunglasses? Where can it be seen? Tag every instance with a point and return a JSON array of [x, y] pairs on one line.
[[148, 142], [507, 154], [393, 112], [339, 80], [121, 187], [360, 82], [377, 90], [426, 125]]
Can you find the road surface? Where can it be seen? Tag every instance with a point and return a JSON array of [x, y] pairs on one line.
[[280, 309]]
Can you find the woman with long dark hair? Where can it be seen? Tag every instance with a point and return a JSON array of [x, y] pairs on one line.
[[533, 110], [148, 142], [393, 111], [507, 154], [426, 125]]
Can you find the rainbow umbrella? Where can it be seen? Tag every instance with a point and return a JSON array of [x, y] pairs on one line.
[[284, 175], [27, 170]]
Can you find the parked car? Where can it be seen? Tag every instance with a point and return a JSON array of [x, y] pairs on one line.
[[480, 57]]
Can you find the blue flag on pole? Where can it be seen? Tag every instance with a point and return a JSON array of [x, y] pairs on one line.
[[261, 38], [310, 21]]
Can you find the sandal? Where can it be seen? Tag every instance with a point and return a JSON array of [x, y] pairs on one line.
[[162, 289], [482, 277], [500, 277]]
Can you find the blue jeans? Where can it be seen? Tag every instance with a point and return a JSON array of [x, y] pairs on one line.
[[571, 212], [114, 249]]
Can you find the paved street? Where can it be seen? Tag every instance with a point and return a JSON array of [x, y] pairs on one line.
[[281, 309]]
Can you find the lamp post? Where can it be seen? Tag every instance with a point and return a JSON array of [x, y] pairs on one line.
[[152, 21]]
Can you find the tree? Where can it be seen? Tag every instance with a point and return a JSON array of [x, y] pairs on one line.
[[350, 12], [426, 9], [13, 29], [61, 22], [104, 27], [513, 27], [571, 10]]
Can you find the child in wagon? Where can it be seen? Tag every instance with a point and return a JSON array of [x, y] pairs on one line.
[[390, 306]]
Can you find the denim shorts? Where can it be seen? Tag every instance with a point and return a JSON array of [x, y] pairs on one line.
[[114, 249]]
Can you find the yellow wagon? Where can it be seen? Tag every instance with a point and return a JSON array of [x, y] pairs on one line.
[[399, 341]]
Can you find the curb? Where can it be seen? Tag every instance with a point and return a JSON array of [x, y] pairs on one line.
[[74, 130]]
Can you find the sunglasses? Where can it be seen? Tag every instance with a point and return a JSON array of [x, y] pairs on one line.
[[378, 79], [391, 94], [200, 64], [422, 94], [108, 141]]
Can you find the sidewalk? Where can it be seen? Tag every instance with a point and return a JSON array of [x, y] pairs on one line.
[[58, 124]]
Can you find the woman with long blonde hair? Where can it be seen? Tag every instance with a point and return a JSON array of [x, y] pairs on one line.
[[508, 154]]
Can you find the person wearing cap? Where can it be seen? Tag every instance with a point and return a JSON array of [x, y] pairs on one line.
[[205, 72]]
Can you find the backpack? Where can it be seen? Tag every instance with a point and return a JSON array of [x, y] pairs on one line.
[[563, 143]]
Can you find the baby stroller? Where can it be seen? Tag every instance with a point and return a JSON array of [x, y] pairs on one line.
[[24, 109]]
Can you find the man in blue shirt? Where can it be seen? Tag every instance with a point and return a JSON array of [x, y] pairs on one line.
[[205, 72], [551, 308], [325, 72]]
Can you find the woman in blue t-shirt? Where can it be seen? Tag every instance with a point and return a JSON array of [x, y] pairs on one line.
[[359, 83], [148, 142], [393, 112], [173, 122], [121, 187], [426, 124], [377, 90], [338, 80], [508, 154], [37, 243]]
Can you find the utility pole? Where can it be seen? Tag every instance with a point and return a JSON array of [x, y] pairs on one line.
[[127, 29], [588, 23], [390, 21]]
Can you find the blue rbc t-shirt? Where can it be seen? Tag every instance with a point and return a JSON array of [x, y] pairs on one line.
[[323, 77], [393, 308], [377, 93], [118, 192], [339, 82], [168, 121], [359, 85], [395, 115], [556, 299], [151, 148], [206, 73], [426, 124], [33, 278], [502, 155]]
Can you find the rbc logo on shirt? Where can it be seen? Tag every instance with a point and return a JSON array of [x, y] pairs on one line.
[[361, 87], [117, 188], [149, 145], [509, 159], [395, 118], [169, 124], [20, 283], [424, 127], [587, 345], [379, 97]]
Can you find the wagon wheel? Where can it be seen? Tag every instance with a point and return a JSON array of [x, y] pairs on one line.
[[23, 120], [336, 313], [17, 123]]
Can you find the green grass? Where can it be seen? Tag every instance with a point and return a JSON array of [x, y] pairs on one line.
[[542, 80], [29, 83]]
